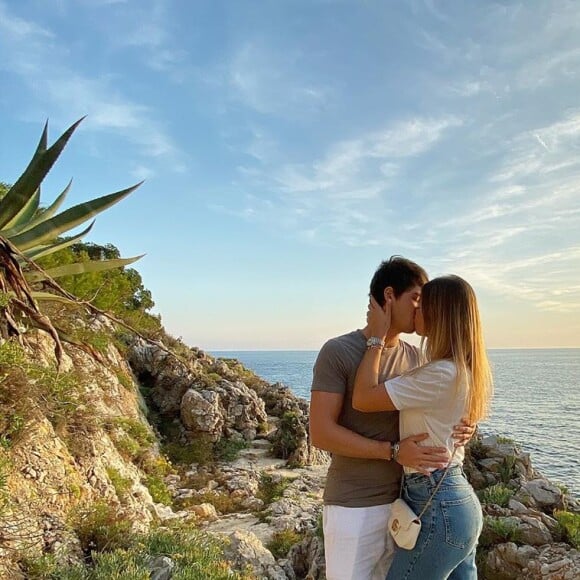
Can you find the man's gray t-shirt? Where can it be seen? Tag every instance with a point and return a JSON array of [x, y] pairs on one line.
[[354, 482]]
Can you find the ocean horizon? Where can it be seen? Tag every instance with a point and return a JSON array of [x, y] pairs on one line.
[[536, 400]]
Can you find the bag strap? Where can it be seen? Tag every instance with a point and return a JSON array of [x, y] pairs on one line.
[[438, 485], [436, 488]]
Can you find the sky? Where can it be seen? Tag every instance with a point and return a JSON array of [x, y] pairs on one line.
[[288, 146]]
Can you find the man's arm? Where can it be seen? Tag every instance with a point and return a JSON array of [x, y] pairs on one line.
[[326, 433]]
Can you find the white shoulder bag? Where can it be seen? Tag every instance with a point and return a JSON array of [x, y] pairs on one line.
[[404, 524]]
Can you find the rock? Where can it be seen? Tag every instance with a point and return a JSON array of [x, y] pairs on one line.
[[533, 532], [245, 550], [507, 561], [489, 441], [491, 464], [307, 559], [201, 413], [205, 511], [165, 513], [517, 507], [161, 568], [544, 493]]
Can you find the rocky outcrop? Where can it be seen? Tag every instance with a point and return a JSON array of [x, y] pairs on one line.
[[521, 537], [218, 400], [69, 450], [267, 502]]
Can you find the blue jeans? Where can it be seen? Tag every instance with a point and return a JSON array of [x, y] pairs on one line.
[[450, 528]]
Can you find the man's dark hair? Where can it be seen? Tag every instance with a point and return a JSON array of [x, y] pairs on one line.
[[399, 273]]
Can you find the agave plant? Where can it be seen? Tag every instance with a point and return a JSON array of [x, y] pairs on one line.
[[35, 232], [28, 232]]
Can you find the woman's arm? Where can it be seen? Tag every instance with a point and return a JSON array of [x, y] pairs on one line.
[[368, 394]]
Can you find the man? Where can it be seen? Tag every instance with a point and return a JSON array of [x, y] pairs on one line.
[[365, 472]]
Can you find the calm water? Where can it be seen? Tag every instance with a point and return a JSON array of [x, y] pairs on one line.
[[537, 400]]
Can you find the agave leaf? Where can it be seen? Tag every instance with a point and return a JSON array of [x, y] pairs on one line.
[[80, 268], [48, 230], [24, 215], [48, 296], [41, 163], [43, 216], [38, 252]]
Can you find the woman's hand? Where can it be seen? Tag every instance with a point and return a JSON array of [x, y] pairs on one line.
[[463, 432], [379, 318]]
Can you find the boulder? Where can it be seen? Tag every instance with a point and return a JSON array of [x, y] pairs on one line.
[[545, 494], [201, 412], [246, 551]]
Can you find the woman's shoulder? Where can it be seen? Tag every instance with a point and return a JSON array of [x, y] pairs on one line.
[[441, 368]]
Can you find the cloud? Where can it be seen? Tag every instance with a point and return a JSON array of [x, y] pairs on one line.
[[274, 83], [343, 196], [38, 60]]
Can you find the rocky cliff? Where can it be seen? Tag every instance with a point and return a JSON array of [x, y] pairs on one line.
[[154, 460]]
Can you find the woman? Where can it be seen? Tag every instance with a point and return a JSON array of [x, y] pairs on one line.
[[455, 382]]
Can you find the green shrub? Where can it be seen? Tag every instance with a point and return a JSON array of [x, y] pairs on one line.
[[158, 489], [39, 567], [271, 489], [135, 429], [157, 465], [11, 429], [229, 449], [11, 354], [98, 340], [282, 541], [223, 502], [198, 451], [5, 466], [197, 556], [203, 451], [319, 532], [570, 525], [476, 449], [286, 440], [121, 484], [125, 380], [502, 439], [102, 528], [213, 378], [130, 436], [5, 299], [498, 494], [499, 530], [127, 447], [507, 470]]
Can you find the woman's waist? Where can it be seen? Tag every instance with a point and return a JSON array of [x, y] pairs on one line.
[[453, 475]]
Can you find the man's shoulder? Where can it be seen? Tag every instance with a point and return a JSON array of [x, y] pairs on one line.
[[344, 341], [343, 347], [408, 347]]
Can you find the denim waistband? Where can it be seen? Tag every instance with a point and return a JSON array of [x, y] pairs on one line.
[[435, 476]]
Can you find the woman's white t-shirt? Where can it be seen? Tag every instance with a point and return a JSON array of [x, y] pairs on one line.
[[431, 402]]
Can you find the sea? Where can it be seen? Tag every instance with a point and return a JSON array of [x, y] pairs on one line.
[[536, 400]]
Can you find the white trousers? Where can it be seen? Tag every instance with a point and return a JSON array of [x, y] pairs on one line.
[[357, 542]]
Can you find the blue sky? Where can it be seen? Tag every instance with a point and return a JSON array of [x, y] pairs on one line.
[[289, 146]]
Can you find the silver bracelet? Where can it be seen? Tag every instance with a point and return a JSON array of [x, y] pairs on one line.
[[395, 451]]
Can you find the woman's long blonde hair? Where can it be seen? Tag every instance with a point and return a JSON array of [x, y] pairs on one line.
[[453, 331]]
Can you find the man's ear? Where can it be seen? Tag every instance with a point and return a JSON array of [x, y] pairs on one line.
[[389, 293]]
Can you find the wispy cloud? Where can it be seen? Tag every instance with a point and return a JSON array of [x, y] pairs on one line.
[[38, 60], [345, 195], [271, 82]]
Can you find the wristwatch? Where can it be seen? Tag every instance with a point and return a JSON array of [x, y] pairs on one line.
[[375, 341]]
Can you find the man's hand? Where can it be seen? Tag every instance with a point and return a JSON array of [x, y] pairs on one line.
[[422, 458], [463, 432]]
